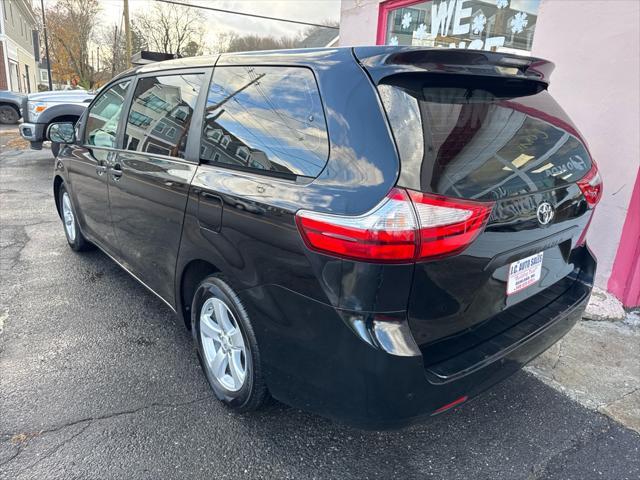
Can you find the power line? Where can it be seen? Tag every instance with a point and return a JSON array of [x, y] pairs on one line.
[[232, 12]]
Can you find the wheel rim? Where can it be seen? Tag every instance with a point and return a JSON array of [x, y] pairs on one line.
[[223, 345], [67, 217]]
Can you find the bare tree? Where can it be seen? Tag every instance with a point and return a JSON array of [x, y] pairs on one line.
[[71, 24], [170, 28], [311, 37], [114, 52], [249, 43]]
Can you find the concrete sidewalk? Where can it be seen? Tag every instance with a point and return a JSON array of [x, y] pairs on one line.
[[598, 362]]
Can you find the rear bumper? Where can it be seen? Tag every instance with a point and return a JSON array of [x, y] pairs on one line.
[[314, 361]]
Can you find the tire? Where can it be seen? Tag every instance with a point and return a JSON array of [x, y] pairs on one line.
[[76, 240], [55, 149], [213, 297], [9, 115]]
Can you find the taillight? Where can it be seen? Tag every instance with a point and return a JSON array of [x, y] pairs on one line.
[[448, 226], [406, 226], [386, 233], [591, 186]]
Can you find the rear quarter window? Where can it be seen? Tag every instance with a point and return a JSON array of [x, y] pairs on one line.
[[267, 119]]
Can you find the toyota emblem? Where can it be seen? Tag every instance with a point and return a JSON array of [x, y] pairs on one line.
[[545, 213]]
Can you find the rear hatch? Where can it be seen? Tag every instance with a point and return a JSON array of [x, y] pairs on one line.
[[481, 126]]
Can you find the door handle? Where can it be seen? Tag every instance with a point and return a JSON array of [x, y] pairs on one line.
[[116, 171], [100, 169]]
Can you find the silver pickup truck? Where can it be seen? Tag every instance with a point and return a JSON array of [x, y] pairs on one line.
[[41, 109]]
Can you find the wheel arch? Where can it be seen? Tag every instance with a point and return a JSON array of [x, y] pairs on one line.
[[63, 118], [67, 112], [15, 107], [192, 274]]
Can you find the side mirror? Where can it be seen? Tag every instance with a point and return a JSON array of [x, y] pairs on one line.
[[61, 132]]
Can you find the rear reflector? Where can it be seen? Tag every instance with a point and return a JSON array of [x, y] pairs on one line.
[[448, 406], [591, 186], [406, 226]]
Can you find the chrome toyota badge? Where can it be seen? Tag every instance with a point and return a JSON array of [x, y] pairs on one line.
[[545, 213]]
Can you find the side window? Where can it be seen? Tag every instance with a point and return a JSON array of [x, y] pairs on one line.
[[265, 118], [161, 112], [104, 114]]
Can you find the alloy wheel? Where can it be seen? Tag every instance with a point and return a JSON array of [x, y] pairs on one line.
[[68, 218], [223, 345]]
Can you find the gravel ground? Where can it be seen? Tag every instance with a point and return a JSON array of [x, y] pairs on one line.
[[98, 380]]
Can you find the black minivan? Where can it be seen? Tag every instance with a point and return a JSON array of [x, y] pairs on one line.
[[373, 234]]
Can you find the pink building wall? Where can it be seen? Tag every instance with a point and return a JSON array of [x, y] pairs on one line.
[[358, 22], [596, 47], [625, 277]]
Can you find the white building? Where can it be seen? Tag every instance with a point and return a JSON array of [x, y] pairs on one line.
[[18, 46]]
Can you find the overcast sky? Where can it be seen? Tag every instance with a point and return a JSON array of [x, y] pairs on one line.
[[315, 11]]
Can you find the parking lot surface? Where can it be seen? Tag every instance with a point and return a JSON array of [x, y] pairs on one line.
[[98, 380]]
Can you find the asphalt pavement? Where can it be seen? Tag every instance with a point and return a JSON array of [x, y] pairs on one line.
[[98, 380]]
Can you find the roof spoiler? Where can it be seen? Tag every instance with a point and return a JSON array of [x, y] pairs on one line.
[[381, 62]]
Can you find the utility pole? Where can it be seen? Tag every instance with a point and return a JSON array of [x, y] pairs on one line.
[[46, 46], [127, 31], [215, 106], [115, 50]]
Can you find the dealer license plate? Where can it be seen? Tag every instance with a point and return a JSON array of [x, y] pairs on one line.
[[524, 273]]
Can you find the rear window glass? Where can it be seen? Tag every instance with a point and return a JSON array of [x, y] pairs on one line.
[[267, 119], [475, 143]]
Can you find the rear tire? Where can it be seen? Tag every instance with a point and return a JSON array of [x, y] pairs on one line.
[[9, 115], [76, 240], [227, 347]]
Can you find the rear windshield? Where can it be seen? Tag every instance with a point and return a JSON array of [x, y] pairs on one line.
[[481, 141]]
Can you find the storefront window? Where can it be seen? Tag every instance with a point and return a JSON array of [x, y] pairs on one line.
[[503, 25]]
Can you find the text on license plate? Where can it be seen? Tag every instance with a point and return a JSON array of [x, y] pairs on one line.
[[524, 273]]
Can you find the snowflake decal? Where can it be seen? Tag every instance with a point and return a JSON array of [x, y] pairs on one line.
[[519, 22], [478, 23], [502, 3], [393, 41], [407, 18], [421, 32]]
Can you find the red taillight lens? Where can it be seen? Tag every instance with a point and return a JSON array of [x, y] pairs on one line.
[[404, 227], [386, 233], [591, 186], [448, 226]]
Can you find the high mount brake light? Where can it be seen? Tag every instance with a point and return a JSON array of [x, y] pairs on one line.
[[406, 226], [591, 186]]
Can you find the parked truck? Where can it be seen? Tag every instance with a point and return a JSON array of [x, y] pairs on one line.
[[41, 109]]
